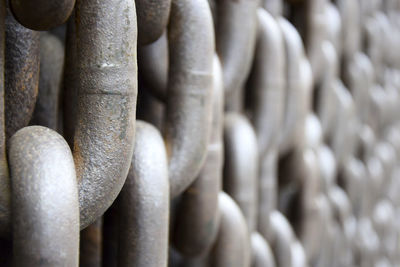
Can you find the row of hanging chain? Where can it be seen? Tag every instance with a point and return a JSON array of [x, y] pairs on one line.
[[199, 133]]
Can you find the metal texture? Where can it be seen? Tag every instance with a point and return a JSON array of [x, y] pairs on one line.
[[106, 89], [197, 218], [42, 15], [44, 199], [188, 113], [21, 74], [269, 133], [144, 202]]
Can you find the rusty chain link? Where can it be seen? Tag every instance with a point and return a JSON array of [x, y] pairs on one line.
[[200, 133]]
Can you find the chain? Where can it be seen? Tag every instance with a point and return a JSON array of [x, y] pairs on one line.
[[199, 133]]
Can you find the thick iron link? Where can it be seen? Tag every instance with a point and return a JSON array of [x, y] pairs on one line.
[[232, 247], [44, 199], [197, 218], [106, 91], [235, 31], [188, 108], [144, 202]]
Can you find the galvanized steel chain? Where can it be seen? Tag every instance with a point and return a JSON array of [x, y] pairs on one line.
[[199, 133]]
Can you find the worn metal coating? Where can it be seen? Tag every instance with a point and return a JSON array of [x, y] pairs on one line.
[[232, 248], [51, 68], [107, 90], [198, 217], [22, 60], [188, 114], [41, 15], [152, 16], [241, 165], [44, 199], [144, 203]]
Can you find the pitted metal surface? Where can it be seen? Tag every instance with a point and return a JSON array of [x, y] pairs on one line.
[[22, 61], [106, 92]]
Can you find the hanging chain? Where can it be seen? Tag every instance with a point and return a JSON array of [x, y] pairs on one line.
[[199, 133]]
